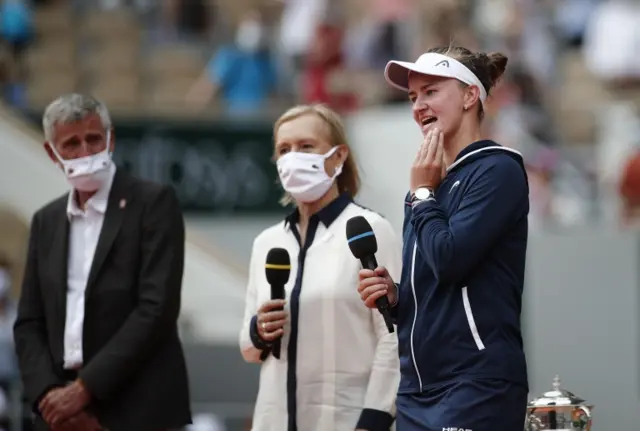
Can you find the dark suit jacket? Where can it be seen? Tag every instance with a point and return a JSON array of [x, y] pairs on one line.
[[134, 365]]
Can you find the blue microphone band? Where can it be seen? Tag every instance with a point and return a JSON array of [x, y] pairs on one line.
[[360, 236]]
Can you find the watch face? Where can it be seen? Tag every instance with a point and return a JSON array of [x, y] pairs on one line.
[[422, 193]]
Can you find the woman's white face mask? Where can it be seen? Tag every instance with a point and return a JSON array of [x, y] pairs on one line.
[[87, 174], [303, 175]]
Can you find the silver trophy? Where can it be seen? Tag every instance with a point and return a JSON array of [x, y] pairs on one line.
[[558, 409]]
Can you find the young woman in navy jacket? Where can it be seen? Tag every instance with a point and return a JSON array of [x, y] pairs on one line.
[[459, 298]]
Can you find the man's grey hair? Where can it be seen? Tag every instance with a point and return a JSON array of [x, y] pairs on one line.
[[71, 108]]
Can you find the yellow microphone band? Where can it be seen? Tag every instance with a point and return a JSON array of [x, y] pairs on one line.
[[274, 266]]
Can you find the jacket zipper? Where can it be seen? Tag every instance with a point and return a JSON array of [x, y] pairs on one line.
[[415, 314]]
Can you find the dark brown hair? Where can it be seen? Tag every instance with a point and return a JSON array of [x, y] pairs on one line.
[[488, 67]]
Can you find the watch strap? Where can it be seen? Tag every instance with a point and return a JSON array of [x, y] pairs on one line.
[[416, 201]]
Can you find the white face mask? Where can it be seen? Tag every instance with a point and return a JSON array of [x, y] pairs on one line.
[[303, 175], [87, 174], [249, 36]]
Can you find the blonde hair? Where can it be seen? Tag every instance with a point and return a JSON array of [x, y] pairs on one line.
[[349, 180]]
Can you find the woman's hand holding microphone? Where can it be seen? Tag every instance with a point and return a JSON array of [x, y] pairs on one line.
[[376, 284], [271, 318], [427, 171]]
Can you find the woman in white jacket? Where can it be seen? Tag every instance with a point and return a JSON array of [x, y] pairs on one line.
[[338, 366]]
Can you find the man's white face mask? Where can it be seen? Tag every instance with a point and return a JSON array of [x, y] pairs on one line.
[[87, 174]]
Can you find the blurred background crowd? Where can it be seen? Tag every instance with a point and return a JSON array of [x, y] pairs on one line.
[[221, 70], [569, 100]]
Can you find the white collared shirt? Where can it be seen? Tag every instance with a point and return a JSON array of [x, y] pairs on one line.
[[346, 360], [84, 232]]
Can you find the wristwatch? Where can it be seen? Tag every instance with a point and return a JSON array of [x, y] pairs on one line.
[[422, 194]]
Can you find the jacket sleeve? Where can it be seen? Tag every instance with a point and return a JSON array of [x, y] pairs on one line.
[[380, 398], [493, 202], [158, 300], [252, 346], [30, 332]]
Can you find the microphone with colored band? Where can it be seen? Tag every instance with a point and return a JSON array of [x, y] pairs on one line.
[[277, 269], [363, 245]]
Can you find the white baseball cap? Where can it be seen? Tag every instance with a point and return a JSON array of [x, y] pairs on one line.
[[397, 72]]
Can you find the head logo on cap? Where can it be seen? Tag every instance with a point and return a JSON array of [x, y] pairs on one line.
[[397, 72]]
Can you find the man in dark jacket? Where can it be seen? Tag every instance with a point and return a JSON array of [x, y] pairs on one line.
[[96, 332]]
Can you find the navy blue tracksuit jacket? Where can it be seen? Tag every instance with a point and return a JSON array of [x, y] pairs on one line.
[[460, 297]]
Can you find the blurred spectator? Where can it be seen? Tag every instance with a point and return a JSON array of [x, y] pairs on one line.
[[325, 57], [555, 198], [379, 32], [540, 163], [630, 191], [571, 18], [539, 121], [390, 43], [491, 19], [448, 22], [540, 196], [533, 43], [518, 115], [298, 23], [243, 72], [16, 29], [611, 42], [619, 138], [611, 54], [375, 35], [360, 44]]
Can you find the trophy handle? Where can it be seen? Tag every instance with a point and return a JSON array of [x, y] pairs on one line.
[[532, 423], [582, 415]]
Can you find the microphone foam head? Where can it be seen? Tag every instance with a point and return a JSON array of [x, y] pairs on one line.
[[361, 238], [277, 266]]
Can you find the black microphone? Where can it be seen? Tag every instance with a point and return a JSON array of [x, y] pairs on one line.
[[277, 268], [363, 245]]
